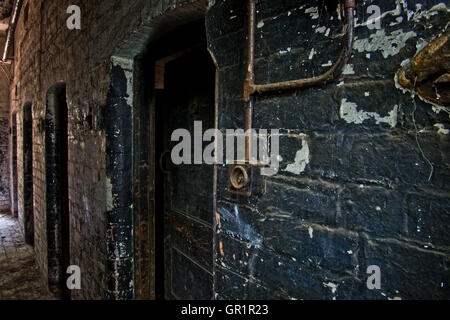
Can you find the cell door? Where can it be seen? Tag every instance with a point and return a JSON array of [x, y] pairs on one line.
[[184, 193], [57, 189], [28, 173], [14, 193]]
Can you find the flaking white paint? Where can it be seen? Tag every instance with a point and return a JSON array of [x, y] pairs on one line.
[[302, 159], [388, 45], [350, 113], [441, 128]]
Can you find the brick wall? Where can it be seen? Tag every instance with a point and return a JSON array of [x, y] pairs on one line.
[[4, 138], [353, 189], [4, 164], [48, 52]]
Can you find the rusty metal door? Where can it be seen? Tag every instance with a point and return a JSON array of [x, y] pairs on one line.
[[184, 194]]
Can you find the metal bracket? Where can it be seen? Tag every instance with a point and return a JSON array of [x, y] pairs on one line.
[[246, 180]]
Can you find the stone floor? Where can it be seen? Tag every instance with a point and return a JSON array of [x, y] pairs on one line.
[[19, 276]]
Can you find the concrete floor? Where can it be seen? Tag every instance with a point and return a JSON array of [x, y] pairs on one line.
[[19, 276]]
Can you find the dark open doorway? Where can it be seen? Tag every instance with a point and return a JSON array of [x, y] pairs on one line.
[[132, 163], [28, 173], [57, 189], [14, 193], [184, 82]]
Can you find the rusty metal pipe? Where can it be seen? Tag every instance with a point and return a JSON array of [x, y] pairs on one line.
[[250, 74], [250, 87]]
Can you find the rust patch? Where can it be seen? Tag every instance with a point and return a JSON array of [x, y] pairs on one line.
[[429, 72], [221, 248], [219, 225]]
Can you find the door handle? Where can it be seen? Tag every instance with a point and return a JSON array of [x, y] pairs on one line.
[[161, 161]]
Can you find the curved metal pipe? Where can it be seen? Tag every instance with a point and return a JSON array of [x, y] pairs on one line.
[[250, 87]]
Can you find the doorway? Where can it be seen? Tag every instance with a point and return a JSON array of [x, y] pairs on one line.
[[14, 193], [57, 189], [184, 92], [28, 173]]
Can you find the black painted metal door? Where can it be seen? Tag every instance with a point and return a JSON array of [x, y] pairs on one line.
[[188, 96]]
